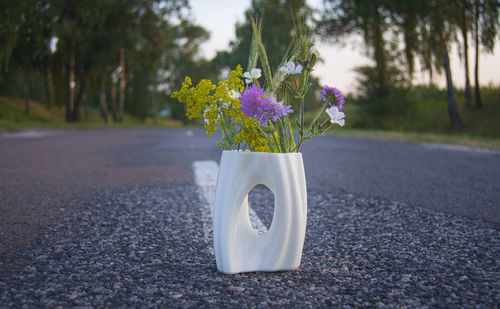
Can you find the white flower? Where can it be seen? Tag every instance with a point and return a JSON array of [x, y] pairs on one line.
[[336, 116], [291, 68], [205, 116], [252, 75], [234, 94]]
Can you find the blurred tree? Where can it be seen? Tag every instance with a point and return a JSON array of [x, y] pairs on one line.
[[440, 19], [96, 40], [368, 18], [10, 17], [31, 52], [486, 25], [278, 27], [278, 31], [103, 31], [427, 29], [464, 14]]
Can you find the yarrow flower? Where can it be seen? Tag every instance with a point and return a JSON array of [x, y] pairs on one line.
[[234, 94], [255, 104], [252, 75], [333, 96], [336, 116], [291, 68]]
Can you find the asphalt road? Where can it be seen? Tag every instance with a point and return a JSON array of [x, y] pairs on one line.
[[128, 197]]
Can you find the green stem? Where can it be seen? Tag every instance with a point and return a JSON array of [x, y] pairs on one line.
[[301, 129], [283, 139], [292, 139], [269, 143], [323, 108], [226, 136], [301, 141]]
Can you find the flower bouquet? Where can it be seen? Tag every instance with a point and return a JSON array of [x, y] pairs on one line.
[[260, 147]]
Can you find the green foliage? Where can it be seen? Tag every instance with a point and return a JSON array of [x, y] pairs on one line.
[[155, 36], [396, 32], [423, 109], [12, 117], [278, 24]]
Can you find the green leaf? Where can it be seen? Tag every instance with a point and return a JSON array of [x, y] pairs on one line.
[[257, 28], [313, 60], [253, 55]]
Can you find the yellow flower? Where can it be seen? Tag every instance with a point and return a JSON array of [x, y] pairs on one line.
[[197, 99], [220, 106]]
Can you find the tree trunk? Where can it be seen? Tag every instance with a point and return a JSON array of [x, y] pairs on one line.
[[122, 85], [103, 107], [81, 93], [379, 54], [452, 104], [476, 66], [468, 98], [46, 82], [112, 90], [70, 84], [26, 94]]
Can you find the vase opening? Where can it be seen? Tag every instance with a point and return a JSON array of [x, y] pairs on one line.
[[261, 201]]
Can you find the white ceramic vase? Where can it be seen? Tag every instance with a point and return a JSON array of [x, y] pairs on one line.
[[238, 247]]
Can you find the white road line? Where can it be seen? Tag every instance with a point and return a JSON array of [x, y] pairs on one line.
[[460, 148], [205, 176], [30, 134]]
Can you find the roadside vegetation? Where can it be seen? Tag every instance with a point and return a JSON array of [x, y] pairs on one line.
[[13, 117], [419, 114], [94, 64]]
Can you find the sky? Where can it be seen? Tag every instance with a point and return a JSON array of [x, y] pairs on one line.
[[220, 17]]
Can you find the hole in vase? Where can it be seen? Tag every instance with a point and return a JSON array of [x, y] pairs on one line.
[[261, 201]]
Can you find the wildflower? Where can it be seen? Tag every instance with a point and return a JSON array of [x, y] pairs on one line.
[[234, 94], [205, 116], [336, 116], [251, 101], [255, 104], [273, 109], [333, 96], [254, 74], [291, 68]]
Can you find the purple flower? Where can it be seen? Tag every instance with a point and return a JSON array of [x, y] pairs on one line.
[[252, 101], [333, 96], [273, 110], [255, 103]]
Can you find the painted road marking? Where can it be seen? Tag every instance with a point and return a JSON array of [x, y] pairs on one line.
[[30, 134], [205, 177], [459, 148]]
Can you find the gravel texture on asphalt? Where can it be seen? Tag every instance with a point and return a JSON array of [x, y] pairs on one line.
[[145, 248]]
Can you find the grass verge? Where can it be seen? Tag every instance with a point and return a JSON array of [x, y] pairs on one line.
[[431, 138], [12, 117]]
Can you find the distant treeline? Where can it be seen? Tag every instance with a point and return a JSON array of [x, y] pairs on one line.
[[115, 53], [397, 33], [127, 56]]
